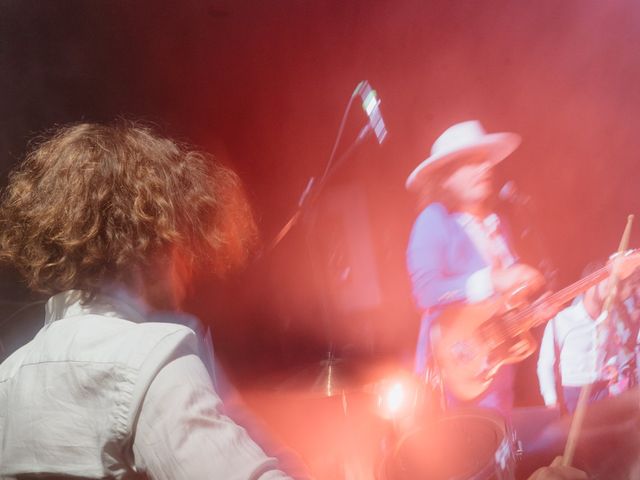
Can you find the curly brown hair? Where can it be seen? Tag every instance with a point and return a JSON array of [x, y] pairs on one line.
[[94, 203]]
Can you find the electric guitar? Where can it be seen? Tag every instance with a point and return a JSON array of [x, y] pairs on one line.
[[471, 342]]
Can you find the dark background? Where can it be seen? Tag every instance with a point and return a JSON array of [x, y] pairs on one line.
[[263, 85]]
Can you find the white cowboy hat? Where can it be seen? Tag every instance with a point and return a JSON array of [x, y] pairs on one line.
[[460, 141]]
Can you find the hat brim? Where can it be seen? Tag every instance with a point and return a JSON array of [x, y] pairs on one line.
[[497, 147]]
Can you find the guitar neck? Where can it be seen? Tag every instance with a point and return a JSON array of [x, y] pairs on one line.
[[563, 296], [568, 293]]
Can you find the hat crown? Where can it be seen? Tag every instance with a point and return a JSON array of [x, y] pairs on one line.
[[459, 141], [458, 136]]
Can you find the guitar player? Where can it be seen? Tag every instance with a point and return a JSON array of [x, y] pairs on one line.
[[458, 250]]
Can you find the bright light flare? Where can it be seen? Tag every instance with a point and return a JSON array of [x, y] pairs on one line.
[[396, 397]]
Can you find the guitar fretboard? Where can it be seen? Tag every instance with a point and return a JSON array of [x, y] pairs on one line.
[[526, 318]]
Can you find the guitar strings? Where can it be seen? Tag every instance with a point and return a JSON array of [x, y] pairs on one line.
[[513, 327]]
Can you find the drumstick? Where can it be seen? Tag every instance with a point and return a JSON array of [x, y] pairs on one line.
[[581, 407]]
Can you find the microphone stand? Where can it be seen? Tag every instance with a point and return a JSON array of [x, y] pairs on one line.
[[312, 191], [328, 378], [375, 125]]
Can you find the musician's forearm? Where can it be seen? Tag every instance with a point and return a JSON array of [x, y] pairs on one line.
[[432, 288], [547, 381], [546, 367]]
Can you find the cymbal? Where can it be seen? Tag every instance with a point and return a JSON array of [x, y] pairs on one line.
[[327, 378]]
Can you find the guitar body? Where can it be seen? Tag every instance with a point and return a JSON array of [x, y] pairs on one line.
[[471, 342]]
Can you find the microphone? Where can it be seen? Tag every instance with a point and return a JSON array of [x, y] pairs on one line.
[[371, 106], [510, 193]]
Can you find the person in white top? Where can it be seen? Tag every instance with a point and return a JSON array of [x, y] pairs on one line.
[[580, 346], [110, 221]]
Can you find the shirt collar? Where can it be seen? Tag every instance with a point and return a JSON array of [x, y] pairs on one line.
[[120, 303]]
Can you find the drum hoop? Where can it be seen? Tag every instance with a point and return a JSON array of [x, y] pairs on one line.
[[504, 450]]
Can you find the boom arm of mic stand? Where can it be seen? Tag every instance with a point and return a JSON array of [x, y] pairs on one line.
[[312, 191]]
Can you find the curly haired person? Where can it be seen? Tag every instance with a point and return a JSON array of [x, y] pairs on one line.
[[110, 221]]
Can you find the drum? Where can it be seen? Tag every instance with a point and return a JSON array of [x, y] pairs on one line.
[[462, 445]]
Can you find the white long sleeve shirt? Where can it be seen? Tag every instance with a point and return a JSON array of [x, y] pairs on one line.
[[579, 341], [100, 392]]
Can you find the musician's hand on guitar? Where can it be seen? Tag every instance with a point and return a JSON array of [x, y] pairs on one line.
[[556, 471], [624, 264], [516, 279]]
